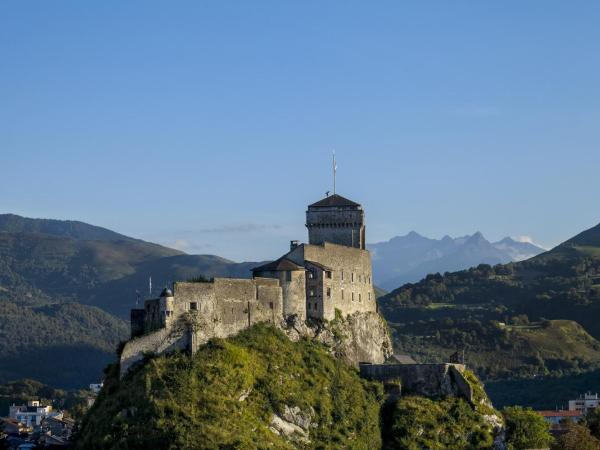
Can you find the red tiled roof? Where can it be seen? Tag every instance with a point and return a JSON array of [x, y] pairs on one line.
[[560, 413]]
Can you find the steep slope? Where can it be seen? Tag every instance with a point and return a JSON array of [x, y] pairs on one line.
[[256, 390], [260, 390], [409, 258]]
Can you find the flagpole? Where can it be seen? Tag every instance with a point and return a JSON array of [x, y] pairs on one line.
[[334, 170]]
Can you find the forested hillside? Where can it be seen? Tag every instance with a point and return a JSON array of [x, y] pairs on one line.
[[66, 289], [535, 318]]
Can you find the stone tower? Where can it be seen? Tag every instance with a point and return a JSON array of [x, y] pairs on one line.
[[337, 220]]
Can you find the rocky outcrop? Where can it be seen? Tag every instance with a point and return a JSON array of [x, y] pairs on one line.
[[292, 423], [427, 380], [356, 338]]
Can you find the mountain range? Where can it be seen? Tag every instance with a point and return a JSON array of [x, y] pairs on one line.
[[409, 258]]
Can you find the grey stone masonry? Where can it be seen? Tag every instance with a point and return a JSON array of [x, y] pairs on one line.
[[338, 221]]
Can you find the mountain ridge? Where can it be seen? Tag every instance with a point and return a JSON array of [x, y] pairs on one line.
[[409, 258]]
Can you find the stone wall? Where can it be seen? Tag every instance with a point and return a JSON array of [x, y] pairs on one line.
[[164, 340], [202, 311], [429, 380], [293, 286], [338, 225]]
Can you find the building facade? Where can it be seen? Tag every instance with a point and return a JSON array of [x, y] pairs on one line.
[[584, 403], [30, 415]]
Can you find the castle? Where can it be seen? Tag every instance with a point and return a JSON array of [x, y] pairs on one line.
[[329, 276]]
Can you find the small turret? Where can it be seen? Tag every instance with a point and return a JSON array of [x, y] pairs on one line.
[[166, 306]]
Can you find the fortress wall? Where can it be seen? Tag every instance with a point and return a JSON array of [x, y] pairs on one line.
[[203, 294], [347, 260], [429, 380], [224, 308], [164, 340]]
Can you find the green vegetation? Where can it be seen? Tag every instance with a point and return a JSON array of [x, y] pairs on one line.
[[421, 423], [532, 320], [226, 395], [497, 351], [577, 437], [542, 392], [593, 422], [50, 269], [63, 345], [525, 429]]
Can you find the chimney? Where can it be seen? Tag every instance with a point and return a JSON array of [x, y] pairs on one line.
[[294, 244]]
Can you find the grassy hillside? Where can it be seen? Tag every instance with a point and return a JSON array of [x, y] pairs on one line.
[[498, 351], [227, 394], [421, 423]]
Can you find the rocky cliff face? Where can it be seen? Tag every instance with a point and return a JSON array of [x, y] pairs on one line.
[[356, 338]]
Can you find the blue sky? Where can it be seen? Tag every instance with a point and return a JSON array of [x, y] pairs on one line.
[[210, 125]]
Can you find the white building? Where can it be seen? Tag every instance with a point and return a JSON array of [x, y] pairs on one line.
[[30, 415], [584, 403]]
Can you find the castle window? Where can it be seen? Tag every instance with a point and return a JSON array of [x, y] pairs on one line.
[[328, 273], [359, 299], [328, 292], [271, 305], [342, 294], [316, 307], [353, 296], [193, 306], [353, 277], [288, 275], [311, 275], [312, 293], [369, 296]]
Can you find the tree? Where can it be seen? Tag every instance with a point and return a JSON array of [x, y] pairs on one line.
[[525, 428], [578, 437], [593, 422]]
